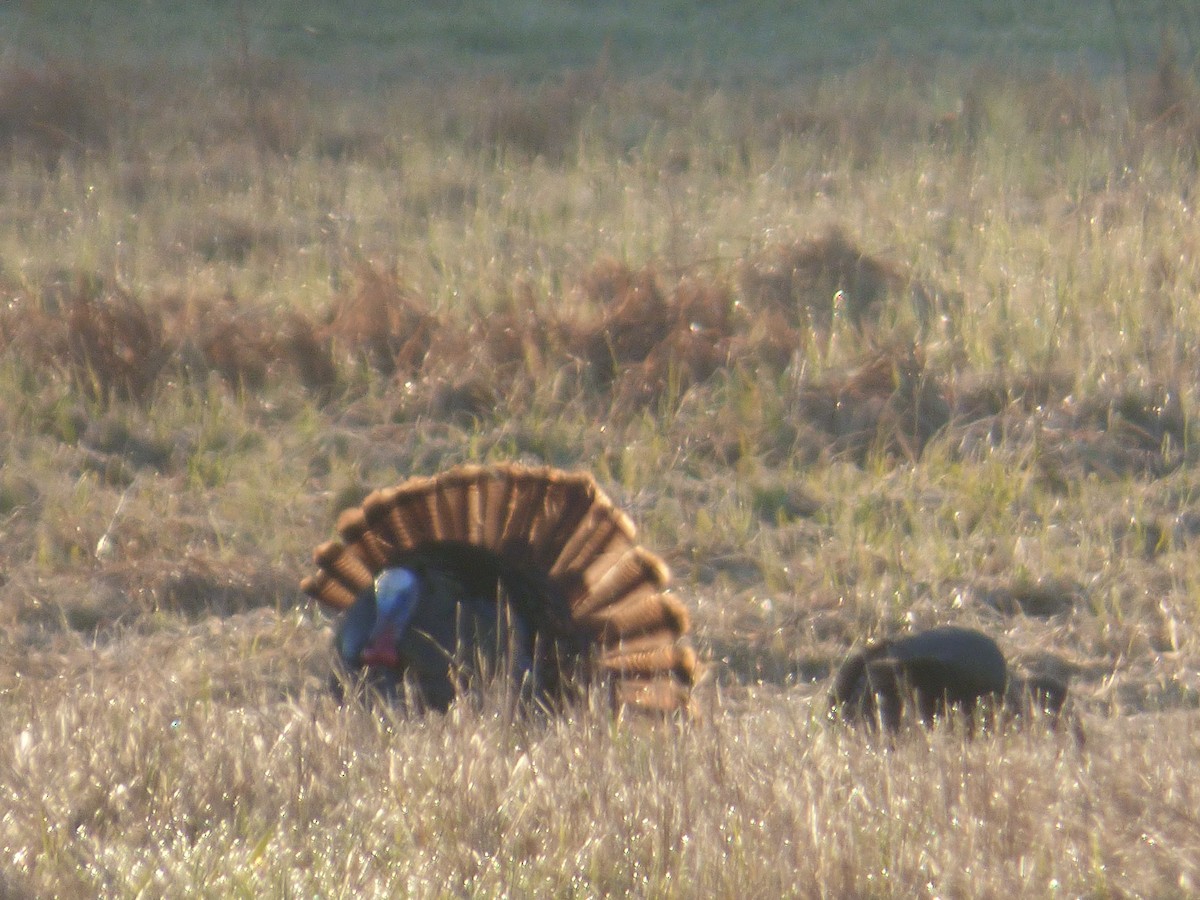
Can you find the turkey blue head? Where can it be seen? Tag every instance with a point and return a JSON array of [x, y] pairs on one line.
[[374, 624]]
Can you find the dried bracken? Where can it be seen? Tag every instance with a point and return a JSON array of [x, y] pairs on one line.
[[685, 357], [246, 345], [105, 341], [648, 341], [889, 404], [812, 280], [111, 344], [1111, 433], [382, 323], [634, 317]]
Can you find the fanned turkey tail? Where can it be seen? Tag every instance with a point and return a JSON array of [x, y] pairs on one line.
[[548, 543]]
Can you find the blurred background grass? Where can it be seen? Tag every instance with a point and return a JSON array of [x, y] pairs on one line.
[[368, 43]]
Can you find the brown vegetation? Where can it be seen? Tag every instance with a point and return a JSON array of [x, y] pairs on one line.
[[812, 280], [382, 324], [630, 342], [53, 110], [545, 121]]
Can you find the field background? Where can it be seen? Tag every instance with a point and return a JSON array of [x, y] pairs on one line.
[[872, 320]]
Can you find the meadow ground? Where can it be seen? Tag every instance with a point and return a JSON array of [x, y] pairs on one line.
[[860, 348]]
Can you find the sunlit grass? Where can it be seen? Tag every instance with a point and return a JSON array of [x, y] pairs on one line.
[[983, 417]]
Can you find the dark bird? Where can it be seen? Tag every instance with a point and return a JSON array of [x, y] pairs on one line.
[[529, 573], [934, 672]]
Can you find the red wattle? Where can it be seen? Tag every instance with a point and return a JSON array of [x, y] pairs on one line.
[[381, 651]]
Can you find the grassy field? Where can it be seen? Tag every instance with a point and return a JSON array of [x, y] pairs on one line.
[[864, 339]]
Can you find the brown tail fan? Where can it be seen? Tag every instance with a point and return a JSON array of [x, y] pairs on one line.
[[554, 546]]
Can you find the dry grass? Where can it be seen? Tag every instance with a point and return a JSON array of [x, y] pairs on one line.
[[765, 798], [906, 346]]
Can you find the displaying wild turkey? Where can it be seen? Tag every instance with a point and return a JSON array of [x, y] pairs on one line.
[[482, 570], [938, 670]]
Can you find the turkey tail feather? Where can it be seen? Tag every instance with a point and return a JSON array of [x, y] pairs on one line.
[[567, 557]]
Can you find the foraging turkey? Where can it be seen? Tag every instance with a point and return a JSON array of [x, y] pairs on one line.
[[480, 570], [938, 670]]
